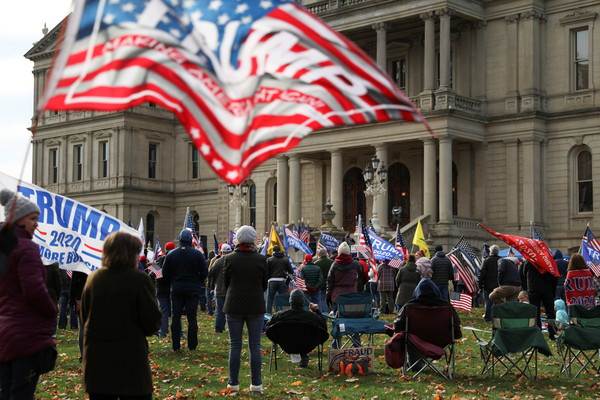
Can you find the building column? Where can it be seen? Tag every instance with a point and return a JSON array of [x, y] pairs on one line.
[[294, 199], [337, 186], [381, 28], [429, 180], [282, 190], [381, 151], [531, 186], [445, 45], [426, 98], [511, 102], [511, 148], [445, 188], [530, 61]]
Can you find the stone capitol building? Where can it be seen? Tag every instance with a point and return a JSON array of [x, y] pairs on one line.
[[508, 87]]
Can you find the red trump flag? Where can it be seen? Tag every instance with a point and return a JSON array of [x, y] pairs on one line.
[[535, 251], [247, 80]]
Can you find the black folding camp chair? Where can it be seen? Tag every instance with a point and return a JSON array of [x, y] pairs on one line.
[[579, 342], [515, 340]]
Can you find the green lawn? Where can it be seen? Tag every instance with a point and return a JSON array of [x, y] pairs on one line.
[[203, 374]]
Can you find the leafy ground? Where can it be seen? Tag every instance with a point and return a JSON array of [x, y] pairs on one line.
[[203, 374]]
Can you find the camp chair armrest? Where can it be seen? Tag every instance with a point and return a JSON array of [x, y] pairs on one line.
[[480, 341]]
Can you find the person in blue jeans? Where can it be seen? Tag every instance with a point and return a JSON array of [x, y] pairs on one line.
[[186, 269], [245, 280], [163, 293], [278, 268], [66, 313], [215, 282]]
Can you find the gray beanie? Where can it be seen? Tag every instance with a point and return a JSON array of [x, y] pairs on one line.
[[23, 207], [296, 299], [246, 234], [343, 248]]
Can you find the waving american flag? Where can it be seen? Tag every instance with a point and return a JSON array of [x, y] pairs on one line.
[[247, 79]]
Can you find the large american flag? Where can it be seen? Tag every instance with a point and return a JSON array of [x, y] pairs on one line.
[[365, 240], [246, 79], [590, 250], [400, 243]]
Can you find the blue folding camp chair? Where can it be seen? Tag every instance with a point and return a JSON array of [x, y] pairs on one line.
[[354, 319]]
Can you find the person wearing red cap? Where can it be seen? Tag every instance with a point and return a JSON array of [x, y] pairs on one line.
[[313, 277], [163, 293]]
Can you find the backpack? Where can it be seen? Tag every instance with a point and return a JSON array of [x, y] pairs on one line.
[[354, 365]]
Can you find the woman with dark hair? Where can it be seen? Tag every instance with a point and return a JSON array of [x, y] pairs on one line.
[[579, 283], [407, 279], [118, 311]]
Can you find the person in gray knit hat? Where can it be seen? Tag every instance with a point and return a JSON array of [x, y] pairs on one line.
[[28, 313]]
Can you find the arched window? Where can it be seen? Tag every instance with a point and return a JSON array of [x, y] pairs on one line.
[[399, 193], [354, 197], [583, 174], [149, 229]]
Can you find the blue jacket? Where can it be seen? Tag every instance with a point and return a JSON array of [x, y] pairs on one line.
[[185, 267]]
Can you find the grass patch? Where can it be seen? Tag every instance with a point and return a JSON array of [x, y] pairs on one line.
[[203, 374]]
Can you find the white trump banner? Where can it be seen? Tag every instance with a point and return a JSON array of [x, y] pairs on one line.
[[69, 232]]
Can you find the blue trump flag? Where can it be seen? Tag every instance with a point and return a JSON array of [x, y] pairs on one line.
[[330, 243], [382, 249], [290, 239]]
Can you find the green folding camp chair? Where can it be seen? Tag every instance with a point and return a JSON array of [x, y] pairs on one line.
[[579, 342], [515, 340]]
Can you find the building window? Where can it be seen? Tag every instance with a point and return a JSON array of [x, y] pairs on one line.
[[194, 162], [152, 159], [585, 197], [103, 159], [354, 198], [399, 193], [399, 73], [581, 59], [252, 204], [53, 166], [78, 162]]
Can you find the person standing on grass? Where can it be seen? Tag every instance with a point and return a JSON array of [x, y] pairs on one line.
[[216, 283], [163, 293], [245, 278], [186, 269], [27, 313], [118, 311], [324, 262], [313, 277]]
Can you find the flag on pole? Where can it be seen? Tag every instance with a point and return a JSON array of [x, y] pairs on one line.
[[590, 250], [365, 240], [291, 239], [142, 235], [330, 243], [464, 271], [216, 242], [156, 270], [320, 246], [231, 238], [470, 254], [400, 244], [461, 301], [300, 283], [274, 240], [485, 251], [535, 251], [158, 251], [305, 233], [189, 225], [246, 82], [419, 240]]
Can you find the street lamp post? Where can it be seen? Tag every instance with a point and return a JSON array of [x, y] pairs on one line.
[[375, 174], [237, 194]]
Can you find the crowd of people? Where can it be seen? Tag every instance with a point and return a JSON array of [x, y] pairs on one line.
[[116, 307]]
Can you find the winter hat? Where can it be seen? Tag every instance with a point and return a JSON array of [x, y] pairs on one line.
[[307, 258], [225, 248], [276, 249], [169, 246], [296, 299], [143, 258], [246, 234], [322, 251], [439, 248], [343, 248], [23, 207]]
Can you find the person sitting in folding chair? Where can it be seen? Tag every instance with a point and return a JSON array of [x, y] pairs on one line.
[[294, 340], [426, 294]]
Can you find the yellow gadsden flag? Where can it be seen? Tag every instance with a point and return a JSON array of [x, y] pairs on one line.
[[274, 241], [419, 240]]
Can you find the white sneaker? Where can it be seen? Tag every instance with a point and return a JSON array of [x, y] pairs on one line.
[[256, 389], [233, 388], [295, 358]]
